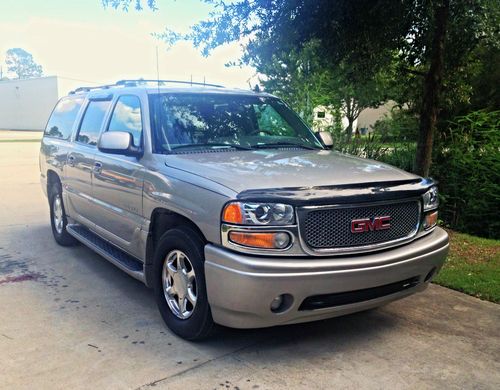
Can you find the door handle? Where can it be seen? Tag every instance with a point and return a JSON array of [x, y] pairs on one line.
[[71, 160], [97, 167]]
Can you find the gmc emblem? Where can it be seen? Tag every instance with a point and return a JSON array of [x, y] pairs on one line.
[[370, 224]]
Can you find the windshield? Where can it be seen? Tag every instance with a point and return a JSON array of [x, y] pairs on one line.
[[195, 121]]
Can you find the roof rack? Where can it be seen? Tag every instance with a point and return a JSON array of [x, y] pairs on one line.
[[141, 81], [136, 82]]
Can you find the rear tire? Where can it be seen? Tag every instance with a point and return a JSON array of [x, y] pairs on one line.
[[58, 219], [179, 284]]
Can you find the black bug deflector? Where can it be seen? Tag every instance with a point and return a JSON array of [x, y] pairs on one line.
[[338, 194]]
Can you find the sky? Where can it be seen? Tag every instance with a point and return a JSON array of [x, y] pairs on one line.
[[83, 41]]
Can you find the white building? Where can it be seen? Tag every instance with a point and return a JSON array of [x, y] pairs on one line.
[[27, 104], [323, 117]]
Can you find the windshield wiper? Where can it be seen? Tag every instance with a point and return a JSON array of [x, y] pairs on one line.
[[283, 144], [211, 145]]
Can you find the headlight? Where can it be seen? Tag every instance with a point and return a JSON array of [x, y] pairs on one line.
[[250, 213], [431, 200]]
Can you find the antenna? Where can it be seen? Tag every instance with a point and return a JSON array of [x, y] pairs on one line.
[[157, 70], [159, 105]]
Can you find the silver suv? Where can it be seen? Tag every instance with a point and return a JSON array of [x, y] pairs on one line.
[[231, 208]]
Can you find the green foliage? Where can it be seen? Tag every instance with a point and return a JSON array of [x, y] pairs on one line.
[[467, 165], [303, 79], [400, 125], [399, 153], [20, 62], [299, 78]]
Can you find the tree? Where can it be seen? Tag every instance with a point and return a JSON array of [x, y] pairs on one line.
[[432, 89], [304, 80], [427, 37], [20, 62]]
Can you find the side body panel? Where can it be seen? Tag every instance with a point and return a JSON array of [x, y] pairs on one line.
[[191, 196], [77, 182], [53, 155]]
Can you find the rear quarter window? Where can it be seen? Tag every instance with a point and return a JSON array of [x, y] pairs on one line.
[[63, 117]]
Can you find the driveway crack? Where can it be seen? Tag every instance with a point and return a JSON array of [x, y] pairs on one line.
[[180, 373]]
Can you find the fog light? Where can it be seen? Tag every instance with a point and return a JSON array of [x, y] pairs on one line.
[[276, 303], [430, 220], [281, 240]]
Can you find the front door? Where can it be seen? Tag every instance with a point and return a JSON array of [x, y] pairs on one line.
[[118, 180]]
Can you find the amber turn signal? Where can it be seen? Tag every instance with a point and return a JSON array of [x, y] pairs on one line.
[[430, 220], [278, 240], [232, 213]]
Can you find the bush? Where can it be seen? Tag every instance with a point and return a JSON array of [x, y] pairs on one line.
[[401, 154], [467, 165], [401, 125]]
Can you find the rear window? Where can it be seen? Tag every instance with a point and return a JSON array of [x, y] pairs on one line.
[[63, 117], [90, 127]]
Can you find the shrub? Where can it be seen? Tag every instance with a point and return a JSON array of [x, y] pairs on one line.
[[401, 125], [467, 165]]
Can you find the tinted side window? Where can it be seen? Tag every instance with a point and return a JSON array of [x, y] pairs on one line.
[[127, 117], [62, 118], [90, 127]]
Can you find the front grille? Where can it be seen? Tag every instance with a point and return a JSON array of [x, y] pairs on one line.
[[330, 228]]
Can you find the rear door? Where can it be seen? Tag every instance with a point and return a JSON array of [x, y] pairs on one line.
[[56, 138], [118, 180], [80, 161]]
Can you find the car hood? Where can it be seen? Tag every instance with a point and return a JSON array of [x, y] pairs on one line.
[[263, 169]]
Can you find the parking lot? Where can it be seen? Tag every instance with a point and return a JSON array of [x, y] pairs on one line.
[[70, 319]]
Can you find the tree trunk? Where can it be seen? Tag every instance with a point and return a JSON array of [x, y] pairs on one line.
[[349, 129], [432, 89]]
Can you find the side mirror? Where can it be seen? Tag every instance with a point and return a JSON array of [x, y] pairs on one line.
[[326, 138], [118, 142]]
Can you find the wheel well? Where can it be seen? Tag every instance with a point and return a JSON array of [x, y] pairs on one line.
[[52, 178], [163, 220]]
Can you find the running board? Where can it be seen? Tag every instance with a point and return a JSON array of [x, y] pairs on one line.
[[110, 252]]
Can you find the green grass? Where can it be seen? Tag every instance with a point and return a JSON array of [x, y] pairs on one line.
[[472, 266]]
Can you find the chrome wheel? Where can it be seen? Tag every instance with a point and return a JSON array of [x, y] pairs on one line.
[[179, 284], [57, 211]]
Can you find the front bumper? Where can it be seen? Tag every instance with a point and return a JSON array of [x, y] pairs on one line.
[[241, 287]]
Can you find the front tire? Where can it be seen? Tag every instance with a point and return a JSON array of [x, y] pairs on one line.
[[58, 219], [179, 284]]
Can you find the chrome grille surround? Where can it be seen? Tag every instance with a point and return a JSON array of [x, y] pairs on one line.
[[326, 229]]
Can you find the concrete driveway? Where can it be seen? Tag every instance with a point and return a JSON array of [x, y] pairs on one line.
[[69, 319]]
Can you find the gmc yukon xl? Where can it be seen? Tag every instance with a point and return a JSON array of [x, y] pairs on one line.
[[228, 206]]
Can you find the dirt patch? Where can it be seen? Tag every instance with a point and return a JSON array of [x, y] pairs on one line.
[[469, 251], [20, 278]]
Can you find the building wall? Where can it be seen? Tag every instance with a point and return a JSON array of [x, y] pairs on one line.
[[369, 116], [27, 104]]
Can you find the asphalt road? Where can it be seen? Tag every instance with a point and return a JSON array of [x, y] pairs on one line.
[[69, 319]]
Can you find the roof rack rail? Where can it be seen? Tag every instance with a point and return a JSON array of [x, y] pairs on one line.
[[139, 81], [87, 89], [135, 82]]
